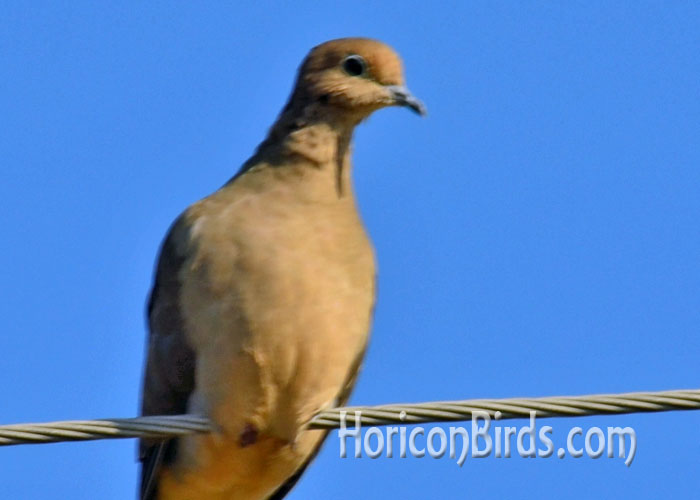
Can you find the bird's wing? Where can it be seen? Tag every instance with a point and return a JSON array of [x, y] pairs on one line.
[[169, 375]]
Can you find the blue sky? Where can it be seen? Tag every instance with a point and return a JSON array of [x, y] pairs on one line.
[[537, 234]]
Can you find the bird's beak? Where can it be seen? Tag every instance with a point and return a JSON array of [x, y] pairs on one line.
[[401, 96]]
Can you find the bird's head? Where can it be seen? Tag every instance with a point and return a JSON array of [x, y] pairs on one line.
[[353, 77]]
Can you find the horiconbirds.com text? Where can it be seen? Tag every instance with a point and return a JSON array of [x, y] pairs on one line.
[[486, 438]]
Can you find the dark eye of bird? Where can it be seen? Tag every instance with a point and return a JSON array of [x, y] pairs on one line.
[[354, 65]]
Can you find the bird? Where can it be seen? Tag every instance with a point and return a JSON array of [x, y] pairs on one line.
[[263, 295]]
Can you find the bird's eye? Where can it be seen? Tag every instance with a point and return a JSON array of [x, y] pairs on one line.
[[354, 65]]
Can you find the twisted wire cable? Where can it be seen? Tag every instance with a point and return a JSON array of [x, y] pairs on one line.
[[163, 427]]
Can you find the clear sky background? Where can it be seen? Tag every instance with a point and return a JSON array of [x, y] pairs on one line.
[[537, 234]]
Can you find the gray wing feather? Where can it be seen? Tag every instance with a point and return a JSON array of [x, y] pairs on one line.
[[170, 365]]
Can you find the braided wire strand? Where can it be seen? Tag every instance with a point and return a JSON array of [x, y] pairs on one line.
[[163, 427]]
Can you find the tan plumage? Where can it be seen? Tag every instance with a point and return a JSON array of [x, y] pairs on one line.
[[262, 300]]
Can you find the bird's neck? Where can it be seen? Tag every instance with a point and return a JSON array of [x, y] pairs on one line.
[[314, 141]]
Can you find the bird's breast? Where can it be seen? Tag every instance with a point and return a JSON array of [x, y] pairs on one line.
[[278, 311]]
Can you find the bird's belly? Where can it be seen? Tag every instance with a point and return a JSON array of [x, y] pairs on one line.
[[273, 348], [225, 471]]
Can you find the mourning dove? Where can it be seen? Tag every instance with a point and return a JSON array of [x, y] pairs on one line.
[[263, 295]]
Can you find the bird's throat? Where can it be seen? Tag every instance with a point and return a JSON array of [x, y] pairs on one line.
[[322, 146]]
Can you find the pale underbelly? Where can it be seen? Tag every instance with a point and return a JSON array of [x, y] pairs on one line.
[[268, 378]]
